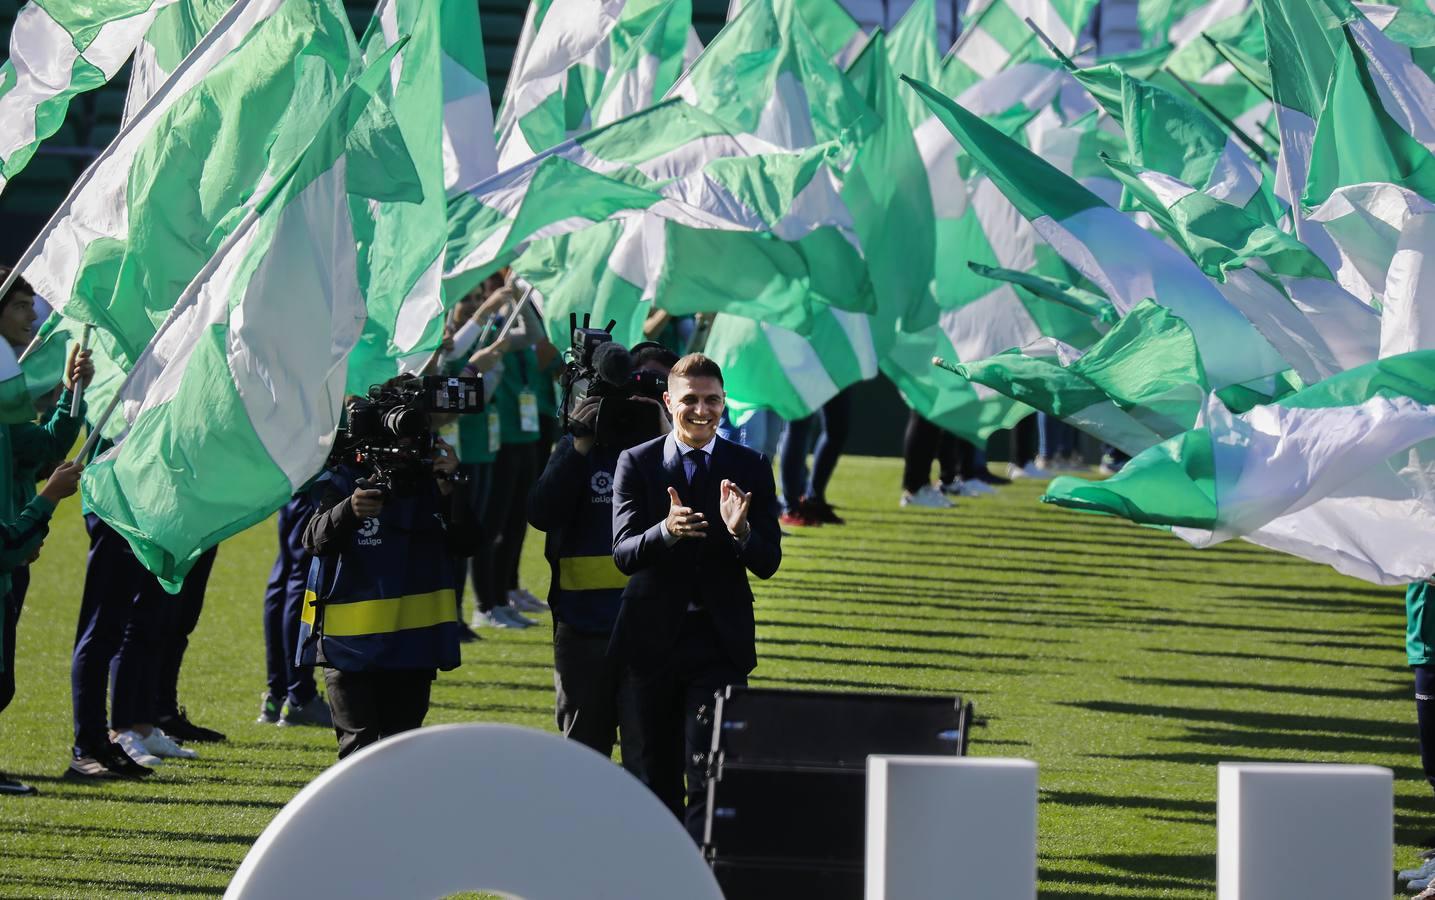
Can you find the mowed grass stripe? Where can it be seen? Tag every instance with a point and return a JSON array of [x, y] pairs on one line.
[[1125, 663]]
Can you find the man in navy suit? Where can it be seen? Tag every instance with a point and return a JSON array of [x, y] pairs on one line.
[[692, 515]]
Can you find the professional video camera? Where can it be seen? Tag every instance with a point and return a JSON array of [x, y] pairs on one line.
[[598, 366], [389, 431]]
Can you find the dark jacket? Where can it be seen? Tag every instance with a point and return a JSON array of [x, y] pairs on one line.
[[711, 572], [381, 591], [572, 502]]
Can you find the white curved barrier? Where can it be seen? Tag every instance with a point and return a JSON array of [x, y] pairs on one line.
[[475, 807]]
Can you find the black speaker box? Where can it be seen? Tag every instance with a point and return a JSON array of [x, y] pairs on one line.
[[788, 880], [770, 812], [763, 726]]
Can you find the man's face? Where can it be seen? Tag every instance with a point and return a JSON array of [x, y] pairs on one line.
[[696, 406], [17, 320]]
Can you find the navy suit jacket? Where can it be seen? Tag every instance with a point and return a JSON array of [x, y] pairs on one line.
[[710, 572]]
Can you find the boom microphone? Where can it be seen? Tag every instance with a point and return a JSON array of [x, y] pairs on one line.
[[613, 363]]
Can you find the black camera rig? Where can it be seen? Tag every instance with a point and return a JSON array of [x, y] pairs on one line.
[[597, 366], [389, 431]]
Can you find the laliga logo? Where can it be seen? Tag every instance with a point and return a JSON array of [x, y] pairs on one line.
[[602, 483], [369, 528]]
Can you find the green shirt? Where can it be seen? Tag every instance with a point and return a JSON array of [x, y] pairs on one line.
[[520, 375], [1419, 625]]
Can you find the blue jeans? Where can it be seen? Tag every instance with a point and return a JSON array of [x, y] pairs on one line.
[[283, 605], [835, 416], [1053, 437]]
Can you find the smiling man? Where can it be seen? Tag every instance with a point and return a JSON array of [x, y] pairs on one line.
[[692, 515]]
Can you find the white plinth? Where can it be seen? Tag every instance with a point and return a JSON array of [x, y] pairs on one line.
[[1317, 832], [940, 826]]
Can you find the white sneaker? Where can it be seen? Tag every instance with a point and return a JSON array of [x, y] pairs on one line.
[[975, 488], [951, 488], [927, 496], [1016, 472], [490, 619], [514, 618], [1034, 471], [133, 745], [160, 744], [1041, 464], [523, 600]]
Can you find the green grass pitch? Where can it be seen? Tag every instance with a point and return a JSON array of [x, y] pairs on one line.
[[1124, 663]]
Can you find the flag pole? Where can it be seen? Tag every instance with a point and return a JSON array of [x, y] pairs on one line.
[[1225, 54], [77, 397], [1219, 116]]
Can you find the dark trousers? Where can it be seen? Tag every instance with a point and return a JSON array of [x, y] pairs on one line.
[[675, 704], [505, 521], [919, 448], [369, 706], [284, 604], [597, 696], [1425, 716], [105, 606], [1024, 441], [473, 566], [181, 616], [136, 665], [835, 418], [10, 606]]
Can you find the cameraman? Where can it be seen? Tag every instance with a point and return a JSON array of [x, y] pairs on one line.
[[573, 503], [379, 613]]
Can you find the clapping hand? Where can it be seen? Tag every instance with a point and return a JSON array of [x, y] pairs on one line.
[[682, 522], [735, 505]]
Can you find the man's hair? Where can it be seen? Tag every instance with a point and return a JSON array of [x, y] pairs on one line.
[[20, 286], [660, 355], [695, 365]]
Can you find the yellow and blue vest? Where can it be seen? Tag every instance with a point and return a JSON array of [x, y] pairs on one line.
[[387, 600], [587, 588]]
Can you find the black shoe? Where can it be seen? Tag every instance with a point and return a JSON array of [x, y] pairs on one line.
[[181, 729], [987, 477], [14, 787], [467, 635], [107, 762]]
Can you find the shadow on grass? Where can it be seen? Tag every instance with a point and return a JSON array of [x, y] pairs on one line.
[[1125, 801], [100, 832], [1268, 657], [1153, 870], [101, 888], [1305, 690], [1266, 721]]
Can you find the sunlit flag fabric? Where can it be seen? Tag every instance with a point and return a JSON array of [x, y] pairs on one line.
[[233, 406], [58, 51], [1126, 262], [566, 53], [155, 205], [709, 225], [441, 109], [1339, 473]]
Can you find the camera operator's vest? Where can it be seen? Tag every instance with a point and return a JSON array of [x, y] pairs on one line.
[[587, 587], [387, 601]]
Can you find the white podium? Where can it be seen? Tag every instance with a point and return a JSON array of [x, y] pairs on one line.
[[1317, 832], [942, 826]]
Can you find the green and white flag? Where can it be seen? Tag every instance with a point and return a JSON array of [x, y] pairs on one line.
[[233, 406], [708, 226], [1277, 283], [565, 56], [176, 30], [58, 51], [1241, 94], [1372, 170], [766, 366], [644, 72], [1139, 384], [441, 108], [995, 35], [1125, 261], [1337, 473], [155, 205], [839, 35]]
